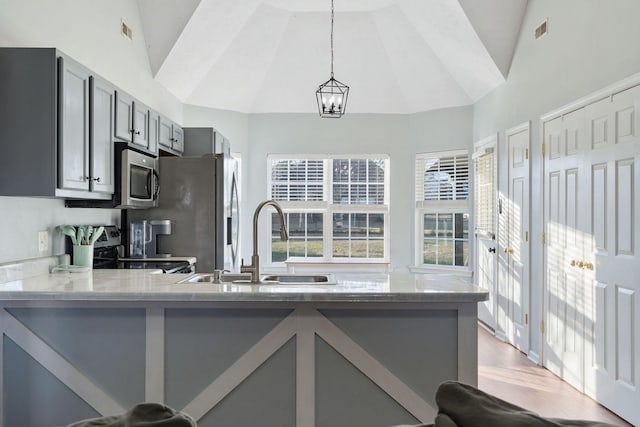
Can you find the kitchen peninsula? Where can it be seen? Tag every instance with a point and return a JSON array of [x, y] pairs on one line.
[[369, 350]]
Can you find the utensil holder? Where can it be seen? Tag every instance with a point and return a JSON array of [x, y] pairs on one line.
[[83, 255]]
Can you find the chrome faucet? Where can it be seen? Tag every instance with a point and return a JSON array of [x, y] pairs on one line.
[[254, 267]]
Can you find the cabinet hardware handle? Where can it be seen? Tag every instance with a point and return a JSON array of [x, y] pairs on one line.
[[132, 130], [580, 264], [86, 178], [96, 179], [588, 266], [508, 250], [138, 132], [573, 263], [492, 250]]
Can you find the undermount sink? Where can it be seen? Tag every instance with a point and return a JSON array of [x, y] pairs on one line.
[[268, 279], [318, 279]]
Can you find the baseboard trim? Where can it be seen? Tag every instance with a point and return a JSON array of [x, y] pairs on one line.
[[534, 357]]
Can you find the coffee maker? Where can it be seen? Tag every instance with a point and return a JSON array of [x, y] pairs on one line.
[[143, 238]]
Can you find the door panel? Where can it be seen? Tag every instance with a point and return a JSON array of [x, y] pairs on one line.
[[624, 207], [486, 280], [517, 254], [566, 220], [485, 243]]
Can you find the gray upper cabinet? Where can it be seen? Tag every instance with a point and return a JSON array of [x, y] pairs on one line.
[[57, 131], [178, 138], [140, 124], [73, 144], [154, 129], [170, 136], [132, 120], [165, 133], [102, 96], [124, 117]]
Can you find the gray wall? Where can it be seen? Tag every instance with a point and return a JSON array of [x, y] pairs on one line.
[[399, 136], [590, 44], [23, 218]]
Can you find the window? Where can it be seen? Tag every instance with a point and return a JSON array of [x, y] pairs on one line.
[[335, 207], [442, 209], [485, 193]]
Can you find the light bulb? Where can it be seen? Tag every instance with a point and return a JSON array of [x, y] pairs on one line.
[[339, 101], [332, 100], [324, 101]]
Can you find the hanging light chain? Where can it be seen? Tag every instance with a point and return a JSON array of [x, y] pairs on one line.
[[331, 38]]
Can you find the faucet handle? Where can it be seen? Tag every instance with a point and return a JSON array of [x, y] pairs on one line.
[[217, 275]]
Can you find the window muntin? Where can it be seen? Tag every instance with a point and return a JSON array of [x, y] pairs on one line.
[[442, 209], [446, 239], [305, 236], [358, 235], [336, 207], [358, 181]]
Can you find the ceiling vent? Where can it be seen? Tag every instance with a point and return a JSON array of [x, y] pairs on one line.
[[542, 29], [126, 30]]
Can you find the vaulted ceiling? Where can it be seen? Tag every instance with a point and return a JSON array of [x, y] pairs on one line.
[[397, 56]]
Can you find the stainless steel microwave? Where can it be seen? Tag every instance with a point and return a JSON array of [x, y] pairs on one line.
[[138, 184]]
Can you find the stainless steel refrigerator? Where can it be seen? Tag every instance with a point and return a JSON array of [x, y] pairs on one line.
[[200, 197]]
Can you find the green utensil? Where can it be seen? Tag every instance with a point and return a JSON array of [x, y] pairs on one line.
[[80, 234], [87, 235], [97, 234], [69, 230]]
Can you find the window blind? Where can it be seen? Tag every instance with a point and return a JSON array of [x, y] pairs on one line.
[[443, 177], [485, 194], [297, 180]]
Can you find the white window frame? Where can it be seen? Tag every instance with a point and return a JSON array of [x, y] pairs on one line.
[[423, 207], [328, 208]]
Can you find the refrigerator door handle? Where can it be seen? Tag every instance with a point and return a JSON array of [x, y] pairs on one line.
[[229, 231]]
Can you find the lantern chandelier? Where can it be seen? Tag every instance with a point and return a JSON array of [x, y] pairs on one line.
[[332, 95]]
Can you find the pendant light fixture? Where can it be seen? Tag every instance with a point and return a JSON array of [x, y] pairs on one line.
[[332, 95]]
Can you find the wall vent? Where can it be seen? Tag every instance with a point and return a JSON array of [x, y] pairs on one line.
[[541, 30], [126, 30]]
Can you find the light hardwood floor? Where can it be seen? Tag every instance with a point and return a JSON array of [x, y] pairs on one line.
[[506, 373]]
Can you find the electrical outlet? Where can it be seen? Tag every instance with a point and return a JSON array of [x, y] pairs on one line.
[[43, 241]]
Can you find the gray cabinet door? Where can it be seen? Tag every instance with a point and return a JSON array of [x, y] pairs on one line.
[[73, 122], [101, 136], [154, 124], [124, 117], [165, 133], [178, 138], [140, 124]]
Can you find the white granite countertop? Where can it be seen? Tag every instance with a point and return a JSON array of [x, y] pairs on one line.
[[143, 285]]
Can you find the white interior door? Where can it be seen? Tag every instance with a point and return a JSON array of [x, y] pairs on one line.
[[592, 223], [566, 217], [517, 251], [612, 263], [485, 180]]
